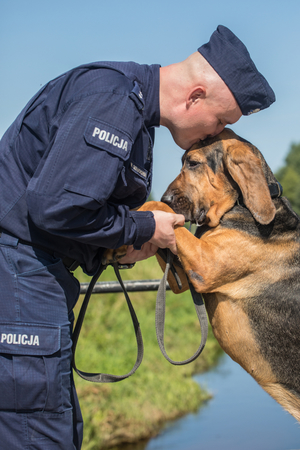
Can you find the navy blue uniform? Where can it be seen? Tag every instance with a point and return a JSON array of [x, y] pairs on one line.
[[73, 165]]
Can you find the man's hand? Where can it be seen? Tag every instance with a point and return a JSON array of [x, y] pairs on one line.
[[163, 237], [133, 255]]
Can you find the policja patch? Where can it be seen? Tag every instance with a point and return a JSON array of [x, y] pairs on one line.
[[29, 339], [108, 137]]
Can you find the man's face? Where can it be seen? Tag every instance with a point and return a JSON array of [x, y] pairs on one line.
[[206, 118]]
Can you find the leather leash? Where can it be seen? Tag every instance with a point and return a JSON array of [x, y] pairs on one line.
[[105, 377], [159, 323], [160, 315]]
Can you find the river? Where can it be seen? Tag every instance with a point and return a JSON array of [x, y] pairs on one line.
[[240, 416]]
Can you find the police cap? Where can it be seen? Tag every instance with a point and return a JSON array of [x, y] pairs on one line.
[[231, 60]]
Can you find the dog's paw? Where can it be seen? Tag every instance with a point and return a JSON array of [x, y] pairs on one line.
[[111, 256]]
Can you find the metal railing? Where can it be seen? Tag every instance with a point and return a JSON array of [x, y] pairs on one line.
[[106, 287]]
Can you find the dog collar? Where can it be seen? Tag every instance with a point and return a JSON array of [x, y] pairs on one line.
[[275, 189]]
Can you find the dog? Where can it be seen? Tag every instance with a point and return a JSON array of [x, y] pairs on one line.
[[244, 258]]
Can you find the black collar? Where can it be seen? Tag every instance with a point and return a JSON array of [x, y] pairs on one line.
[[275, 190]]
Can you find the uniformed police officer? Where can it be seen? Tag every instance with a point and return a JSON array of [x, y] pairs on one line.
[[74, 165]]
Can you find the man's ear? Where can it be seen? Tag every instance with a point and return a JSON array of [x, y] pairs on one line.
[[195, 95]]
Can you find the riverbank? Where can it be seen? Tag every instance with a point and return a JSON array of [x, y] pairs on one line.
[[137, 408], [241, 415]]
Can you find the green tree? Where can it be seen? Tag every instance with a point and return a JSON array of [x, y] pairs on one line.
[[289, 177]]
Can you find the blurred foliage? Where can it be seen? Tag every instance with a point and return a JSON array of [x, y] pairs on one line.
[[289, 177], [137, 407]]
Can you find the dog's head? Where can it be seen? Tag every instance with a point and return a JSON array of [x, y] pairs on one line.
[[214, 173]]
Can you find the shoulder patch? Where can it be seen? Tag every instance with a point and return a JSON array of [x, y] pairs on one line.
[[107, 137]]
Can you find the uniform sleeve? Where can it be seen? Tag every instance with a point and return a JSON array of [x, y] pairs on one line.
[[71, 192]]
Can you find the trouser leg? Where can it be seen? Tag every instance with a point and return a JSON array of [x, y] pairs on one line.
[[77, 419], [39, 409]]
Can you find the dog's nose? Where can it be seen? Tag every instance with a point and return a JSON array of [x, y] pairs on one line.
[[167, 198]]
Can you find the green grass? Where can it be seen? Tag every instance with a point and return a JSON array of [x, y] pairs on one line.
[[137, 407]]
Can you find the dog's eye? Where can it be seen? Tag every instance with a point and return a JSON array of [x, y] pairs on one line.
[[191, 163]]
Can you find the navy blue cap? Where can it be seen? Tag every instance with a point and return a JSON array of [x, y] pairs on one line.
[[231, 60]]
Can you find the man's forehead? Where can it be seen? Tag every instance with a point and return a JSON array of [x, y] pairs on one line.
[[231, 117], [225, 104]]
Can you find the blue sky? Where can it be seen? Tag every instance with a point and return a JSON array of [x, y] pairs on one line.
[[41, 39]]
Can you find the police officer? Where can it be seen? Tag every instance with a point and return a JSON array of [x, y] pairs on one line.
[[74, 165]]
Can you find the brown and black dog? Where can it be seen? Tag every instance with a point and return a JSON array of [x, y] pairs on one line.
[[244, 259]]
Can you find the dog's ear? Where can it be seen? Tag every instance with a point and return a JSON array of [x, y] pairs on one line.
[[246, 170]]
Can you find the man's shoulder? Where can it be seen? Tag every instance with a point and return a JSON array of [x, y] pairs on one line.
[[98, 77]]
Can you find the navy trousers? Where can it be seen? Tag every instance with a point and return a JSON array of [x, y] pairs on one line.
[[39, 409]]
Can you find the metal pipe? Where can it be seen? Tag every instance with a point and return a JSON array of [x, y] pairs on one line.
[[106, 287]]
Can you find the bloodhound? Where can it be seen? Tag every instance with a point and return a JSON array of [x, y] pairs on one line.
[[244, 258]]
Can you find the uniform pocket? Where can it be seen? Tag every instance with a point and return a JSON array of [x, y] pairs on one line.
[[30, 373]]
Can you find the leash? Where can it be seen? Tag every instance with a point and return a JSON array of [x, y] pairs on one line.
[[160, 315], [105, 377], [159, 323]]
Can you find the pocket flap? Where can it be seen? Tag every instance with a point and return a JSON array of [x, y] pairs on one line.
[[29, 339]]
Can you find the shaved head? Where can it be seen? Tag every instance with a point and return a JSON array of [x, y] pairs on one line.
[[195, 102]]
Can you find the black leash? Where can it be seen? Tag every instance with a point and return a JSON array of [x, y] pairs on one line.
[[159, 321], [105, 377]]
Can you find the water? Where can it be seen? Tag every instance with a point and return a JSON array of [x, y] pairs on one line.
[[241, 416]]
